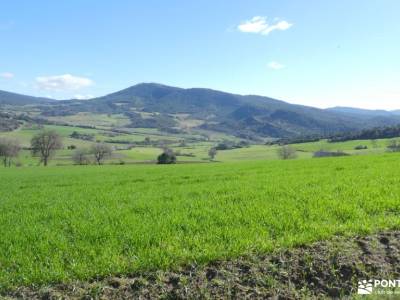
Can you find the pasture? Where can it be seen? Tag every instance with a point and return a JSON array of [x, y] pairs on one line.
[[129, 146]]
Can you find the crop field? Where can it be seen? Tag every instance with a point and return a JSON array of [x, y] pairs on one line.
[[64, 223]]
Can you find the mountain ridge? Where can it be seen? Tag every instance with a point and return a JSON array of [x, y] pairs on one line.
[[11, 98], [155, 105], [356, 110]]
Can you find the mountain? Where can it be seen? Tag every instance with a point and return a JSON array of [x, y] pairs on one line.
[[248, 116], [8, 98], [360, 111], [235, 114]]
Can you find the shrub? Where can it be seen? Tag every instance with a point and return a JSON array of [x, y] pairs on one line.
[[80, 157], [229, 145], [360, 147], [82, 136], [167, 157], [323, 153]]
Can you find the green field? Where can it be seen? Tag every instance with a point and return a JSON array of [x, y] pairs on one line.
[[195, 149], [64, 223]]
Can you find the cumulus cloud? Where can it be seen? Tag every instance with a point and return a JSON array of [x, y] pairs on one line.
[[260, 25], [65, 82], [7, 75], [275, 65]]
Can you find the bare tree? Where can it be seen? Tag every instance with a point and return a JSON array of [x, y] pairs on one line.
[[45, 144], [287, 152], [80, 156], [100, 152], [393, 146], [9, 149], [212, 153]]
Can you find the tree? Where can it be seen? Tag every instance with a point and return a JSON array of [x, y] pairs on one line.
[[374, 143], [100, 152], [80, 157], [182, 143], [147, 140], [393, 146], [45, 144], [212, 153], [167, 157], [287, 152], [9, 149]]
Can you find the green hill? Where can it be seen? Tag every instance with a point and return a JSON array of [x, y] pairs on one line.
[[150, 105]]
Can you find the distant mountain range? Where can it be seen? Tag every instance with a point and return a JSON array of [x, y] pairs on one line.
[[365, 112], [250, 116]]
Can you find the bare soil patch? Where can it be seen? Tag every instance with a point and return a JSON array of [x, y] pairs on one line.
[[328, 269]]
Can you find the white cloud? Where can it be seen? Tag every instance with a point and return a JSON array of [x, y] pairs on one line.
[[275, 65], [65, 82], [83, 97], [7, 75], [259, 25]]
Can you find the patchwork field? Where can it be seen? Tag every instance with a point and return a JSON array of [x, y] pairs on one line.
[[130, 221], [64, 223], [199, 150], [190, 147]]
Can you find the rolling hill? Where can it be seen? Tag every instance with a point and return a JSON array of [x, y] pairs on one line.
[[159, 106]]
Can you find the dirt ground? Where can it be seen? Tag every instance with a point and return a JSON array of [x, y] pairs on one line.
[[329, 269]]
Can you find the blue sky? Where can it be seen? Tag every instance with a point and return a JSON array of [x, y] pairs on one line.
[[318, 53]]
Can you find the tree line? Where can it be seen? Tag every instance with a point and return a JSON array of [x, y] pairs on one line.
[[369, 134], [46, 143], [366, 134]]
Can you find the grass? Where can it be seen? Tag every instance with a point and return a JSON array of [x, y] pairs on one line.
[[199, 150], [64, 223], [141, 154], [347, 146], [91, 119], [194, 145], [24, 134]]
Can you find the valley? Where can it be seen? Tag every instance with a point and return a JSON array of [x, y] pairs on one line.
[[126, 226]]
